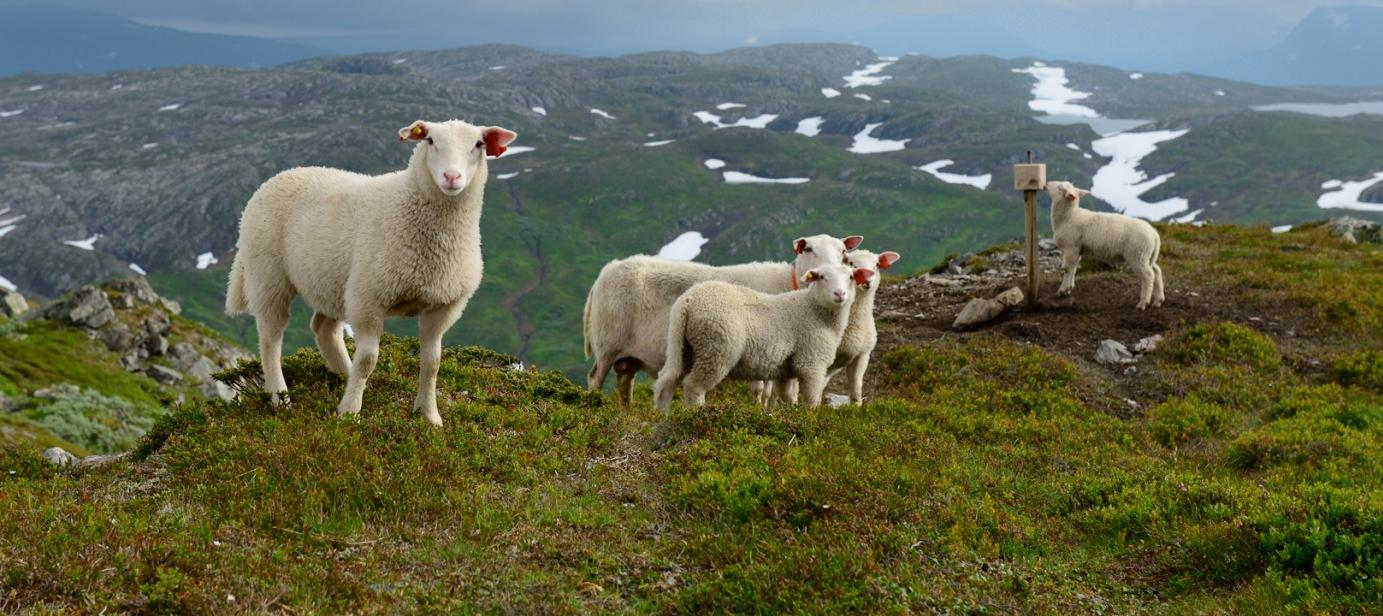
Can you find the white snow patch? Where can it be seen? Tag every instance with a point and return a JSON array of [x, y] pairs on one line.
[[1073, 146], [1188, 217], [86, 244], [5, 229], [11, 113], [1327, 110], [35, 88], [1219, 92], [148, 146], [10, 222], [518, 149], [1282, 228], [830, 92], [540, 111], [602, 113], [1120, 183], [400, 60], [684, 248], [118, 86], [654, 144], [725, 106], [760, 121], [869, 75], [866, 144], [978, 181], [206, 260], [7, 285], [1052, 95], [736, 177], [1135, 76], [505, 176], [498, 68], [170, 107], [1331, 184], [138, 270], [576, 138], [863, 97], [1087, 156], [714, 163], [810, 127], [1349, 196]]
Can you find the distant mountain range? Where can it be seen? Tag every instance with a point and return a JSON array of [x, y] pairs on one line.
[[48, 39]]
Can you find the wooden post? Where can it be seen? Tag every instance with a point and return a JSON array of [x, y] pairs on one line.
[[1030, 178]]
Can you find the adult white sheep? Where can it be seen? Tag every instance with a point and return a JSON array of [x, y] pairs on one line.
[[859, 339], [719, 330], [1108, 237], [361, 248], [626, 316]]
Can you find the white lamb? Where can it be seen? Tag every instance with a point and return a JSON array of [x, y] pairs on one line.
[[626, 316], [859, 340], [1108, 237], [361, 248], [719, 330]]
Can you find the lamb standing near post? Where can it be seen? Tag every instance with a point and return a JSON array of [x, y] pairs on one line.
[[719, 330], [626, 316], [361, 248], [1107, 237]]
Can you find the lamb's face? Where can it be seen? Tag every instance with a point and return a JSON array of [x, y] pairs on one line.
[[835, 284], [1065, 192], [818, 250], [865, 260], [454, 152]]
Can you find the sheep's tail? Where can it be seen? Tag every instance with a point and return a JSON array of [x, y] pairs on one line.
[[235, 291], [1157, 249], [586, 321], [676, 344]]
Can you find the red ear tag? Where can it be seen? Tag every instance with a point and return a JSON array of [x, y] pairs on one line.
[[492, 146]]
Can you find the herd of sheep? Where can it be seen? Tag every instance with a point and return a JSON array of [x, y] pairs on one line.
[[363, 248]]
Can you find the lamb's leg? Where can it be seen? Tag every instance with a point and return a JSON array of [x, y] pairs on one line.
[[703, 377], [1158, 296], [367, 333], [813, 384], [665, 387], [271, 323], [331, 343], [431, 326], [1070, 261], [858, 366], [762, 391], [1146, 280], [786, 390]]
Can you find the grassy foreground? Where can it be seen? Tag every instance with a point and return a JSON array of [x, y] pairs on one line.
[[988, 476]]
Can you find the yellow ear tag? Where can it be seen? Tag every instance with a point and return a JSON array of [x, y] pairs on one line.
[[417, 131]]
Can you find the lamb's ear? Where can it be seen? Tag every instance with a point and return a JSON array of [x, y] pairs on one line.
[[853, 241], [862, 276], [416, 131], [497, 140], [887, 260], [799, 244], [810, 277], [1082, 192]]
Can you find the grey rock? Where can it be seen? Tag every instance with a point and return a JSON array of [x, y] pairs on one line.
[[978, 311], [101, 460], [837, 400], [59, 456], [118, 338], [958, 265], [1113, 352], [171, 305], [136, 290], [86, 307], [12, 304], [1147, 345], [1047, 245], [57, 392], [214, 389], [164, 374], [156, 345], [1357, 231], [1011, 297], [157, 324], [130, 362]]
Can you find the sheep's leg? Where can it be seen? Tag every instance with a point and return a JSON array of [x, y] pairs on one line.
[[813, 384], [858, 366], [665, 387], [786, 390], [626, 368], [331, 343], [703, 377], [367, 333], [431, 326], [1158, 296], [271, 323], [1070, 261], [1146, 280], [595, 379], [762, 391]]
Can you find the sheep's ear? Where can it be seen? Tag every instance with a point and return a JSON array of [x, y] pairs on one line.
[[497, 140], [416, 131], [799, 245], [862, 276], [1072, 196], [853, 241], [1082, 192], [887, 260]]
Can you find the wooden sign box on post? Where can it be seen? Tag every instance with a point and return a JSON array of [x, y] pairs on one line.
[[1030, 178]]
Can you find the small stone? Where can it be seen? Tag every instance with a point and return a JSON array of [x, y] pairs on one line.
[[1113, 352], [1046, 244], [979, 310], [171, 305], [130, 362], [164, 374], [1012, 297], [12, 304], [59, 456], [1131, 370], [101, 460], [837, 400], [134, 290], [1147, 345], [156, 345], [118, 337], [1357, 231], [1133, 404]]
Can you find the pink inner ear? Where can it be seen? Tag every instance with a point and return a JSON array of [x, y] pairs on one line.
[[886, 260], [799, 246], [853, 241], [862, 276], [492, 143], [1070, 197]]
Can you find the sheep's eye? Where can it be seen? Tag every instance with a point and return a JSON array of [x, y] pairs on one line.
[[807, 249], [430, 141], [479, 144]]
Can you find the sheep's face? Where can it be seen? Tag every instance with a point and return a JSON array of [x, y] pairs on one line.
[[454, 152], [865, 260], [835, 284], [1065, 192], [819, 250]]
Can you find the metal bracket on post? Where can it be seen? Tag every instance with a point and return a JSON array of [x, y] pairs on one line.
[[1030, 178]]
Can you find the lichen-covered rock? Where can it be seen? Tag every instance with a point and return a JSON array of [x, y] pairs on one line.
[[59, 456], [1113, 352], [164, 374], [86, 307], [1011, 297], [12, 304], [1356, 230], [979, 310]]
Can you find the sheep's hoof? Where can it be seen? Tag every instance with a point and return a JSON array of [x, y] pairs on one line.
[[279, 398], [1063, 292], [434, 419], [1142, 306]]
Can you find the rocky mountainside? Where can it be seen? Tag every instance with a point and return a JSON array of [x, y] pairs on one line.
[[148, 170], [92, 371]]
